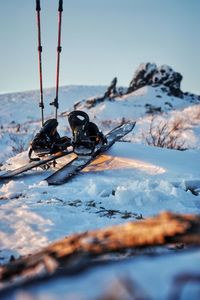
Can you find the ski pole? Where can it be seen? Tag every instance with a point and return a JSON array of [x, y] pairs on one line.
[[41, 103], [59, 49]]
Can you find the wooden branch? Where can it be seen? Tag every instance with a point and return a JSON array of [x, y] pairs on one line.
[[160, 230]]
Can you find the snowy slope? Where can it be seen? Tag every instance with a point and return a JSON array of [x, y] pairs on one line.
[[20, 114], [133, 179]]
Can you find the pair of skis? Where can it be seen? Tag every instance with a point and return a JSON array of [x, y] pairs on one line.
[[78, 163], [59, 49]]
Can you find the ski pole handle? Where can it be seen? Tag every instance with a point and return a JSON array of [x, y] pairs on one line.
[[60, 5], [38, 8]]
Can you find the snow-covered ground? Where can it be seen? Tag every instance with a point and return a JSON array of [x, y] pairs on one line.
[[132, 179]]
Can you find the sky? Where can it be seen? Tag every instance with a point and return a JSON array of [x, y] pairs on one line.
[[101, 39]]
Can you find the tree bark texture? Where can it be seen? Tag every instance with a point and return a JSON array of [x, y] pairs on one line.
[[162, 229]]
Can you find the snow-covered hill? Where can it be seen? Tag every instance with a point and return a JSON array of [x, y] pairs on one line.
[[133, 179], [20, 113]]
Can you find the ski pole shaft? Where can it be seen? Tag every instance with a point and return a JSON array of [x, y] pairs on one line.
[[41, 103], [59, 49]]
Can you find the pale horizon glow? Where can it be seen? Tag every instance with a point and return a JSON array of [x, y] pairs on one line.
[[100, 40]]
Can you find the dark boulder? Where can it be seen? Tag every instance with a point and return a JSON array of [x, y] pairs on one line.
[[150, 74]]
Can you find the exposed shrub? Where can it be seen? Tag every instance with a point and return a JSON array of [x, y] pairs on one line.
[[18, 143], [166, 134]]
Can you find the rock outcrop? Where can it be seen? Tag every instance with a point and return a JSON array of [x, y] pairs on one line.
[[150, 74]]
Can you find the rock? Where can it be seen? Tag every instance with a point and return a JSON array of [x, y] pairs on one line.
[[111, 90], [150, 74], [142, 76]]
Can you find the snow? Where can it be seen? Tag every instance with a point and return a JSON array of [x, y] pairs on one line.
[[12, 189], [132, 177], [151, 278]]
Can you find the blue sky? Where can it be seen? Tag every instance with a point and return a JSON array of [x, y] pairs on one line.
[[100, 39]]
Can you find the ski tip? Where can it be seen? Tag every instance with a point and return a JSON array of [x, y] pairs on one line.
[[129, 125]]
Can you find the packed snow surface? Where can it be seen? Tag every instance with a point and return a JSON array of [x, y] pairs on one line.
[[132, 177]]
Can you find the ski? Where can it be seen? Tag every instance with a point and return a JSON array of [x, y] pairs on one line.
[[34, 164], [81, 161]]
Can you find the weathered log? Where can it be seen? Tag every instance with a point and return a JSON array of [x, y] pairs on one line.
[[159, 230]]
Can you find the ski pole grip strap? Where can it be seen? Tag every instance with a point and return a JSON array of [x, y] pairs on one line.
[[38, 8], [60, 6]]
